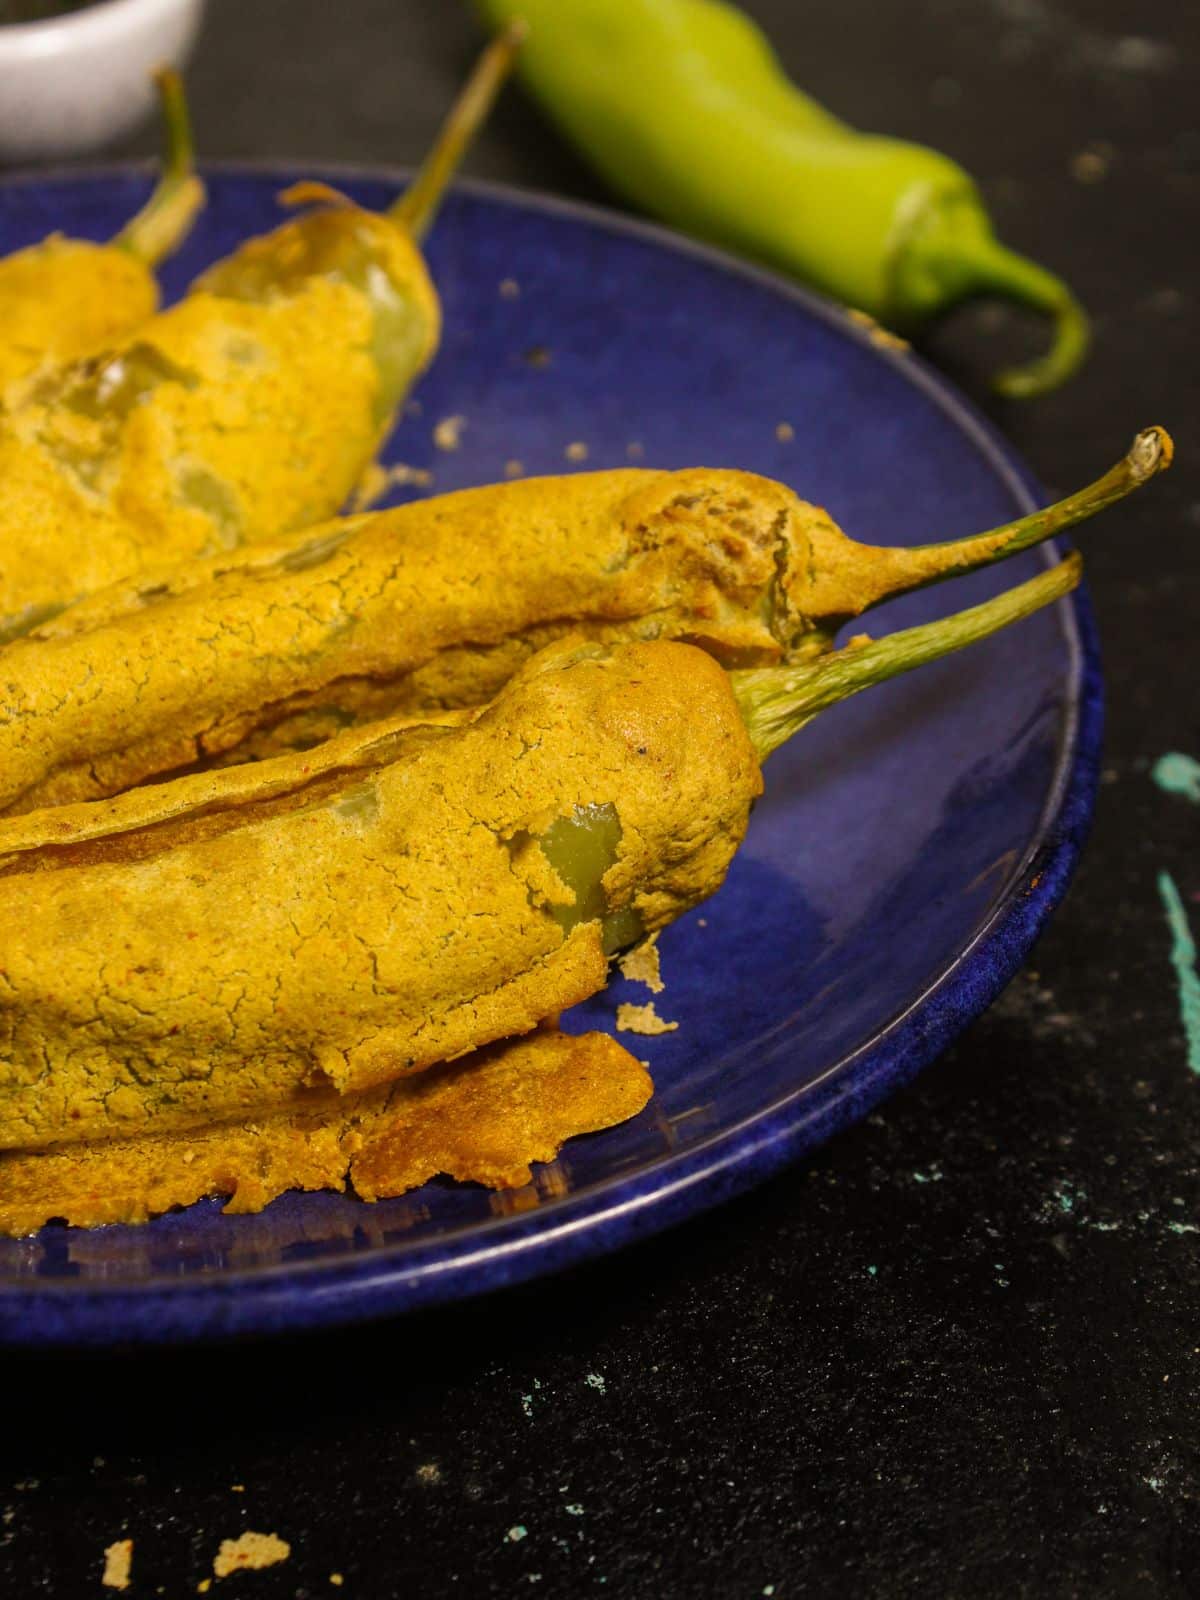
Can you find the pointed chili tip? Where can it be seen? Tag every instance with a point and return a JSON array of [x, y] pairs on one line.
[[1152, 451]]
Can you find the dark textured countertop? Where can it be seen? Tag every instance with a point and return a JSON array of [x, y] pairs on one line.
[[955, 1354]]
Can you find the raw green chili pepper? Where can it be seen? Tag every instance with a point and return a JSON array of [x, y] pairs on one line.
[[683, 106], [67, 298]]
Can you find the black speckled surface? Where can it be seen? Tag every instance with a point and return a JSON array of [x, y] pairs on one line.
[[957, 1353]]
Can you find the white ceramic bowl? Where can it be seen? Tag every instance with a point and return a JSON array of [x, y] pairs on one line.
[[76, 82]]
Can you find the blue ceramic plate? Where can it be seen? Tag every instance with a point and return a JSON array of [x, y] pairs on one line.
[[911, 843]]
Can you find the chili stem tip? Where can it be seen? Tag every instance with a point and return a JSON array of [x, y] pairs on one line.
[[165, 220], [418, 205], [777, 702]]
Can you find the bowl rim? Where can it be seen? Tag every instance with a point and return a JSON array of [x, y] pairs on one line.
[[57, 36], [295, 1296]]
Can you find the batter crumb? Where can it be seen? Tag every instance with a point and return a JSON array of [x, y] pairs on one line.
[[642, 1019], [118, 1560], [250, 1551], [336, 1579], [377, 480], [1092, 163], [641, 965], [576, 451], [510, 289], [784, 432], [447, 434], [514, 469], [882, 337], [634, 450]]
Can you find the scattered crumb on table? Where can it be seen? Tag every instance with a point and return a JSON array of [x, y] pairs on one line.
[[635, 450], [784, 432], [1091, 164], [118, 1561], [250, 1551], [447, 434], [576, 451], [642, 1019], [514, 468], [336, 1579], [510, 289]]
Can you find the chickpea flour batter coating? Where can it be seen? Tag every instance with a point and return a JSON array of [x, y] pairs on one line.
[[483, 1119], [435, 604], [215, 948], [252, 406], [66, 298]]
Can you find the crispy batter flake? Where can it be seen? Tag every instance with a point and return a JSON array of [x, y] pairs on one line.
[[484, 1119], [642, 1019]]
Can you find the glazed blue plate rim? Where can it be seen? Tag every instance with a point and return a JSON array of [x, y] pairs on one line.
[[506, 1250]]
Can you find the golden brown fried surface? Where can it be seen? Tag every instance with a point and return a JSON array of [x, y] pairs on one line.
[[482, 1120], [215, 947], [223, 420], [66, 298], [432, 604]]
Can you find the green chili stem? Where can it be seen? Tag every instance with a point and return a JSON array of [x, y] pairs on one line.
[[418, 205], [900, 570], [163, 222], [777, 702]]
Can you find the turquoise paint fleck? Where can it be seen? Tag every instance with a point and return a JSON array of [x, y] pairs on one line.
[[594, 1380], [873, 1271], [516, 1533], [1183, 959], [1066, 1200], [574, 1509], [1182, 1227], [1175, 773]]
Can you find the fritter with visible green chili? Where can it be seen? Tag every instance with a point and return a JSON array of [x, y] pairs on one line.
[[218, 947], [67, 298], [252, 406], [435, 604]]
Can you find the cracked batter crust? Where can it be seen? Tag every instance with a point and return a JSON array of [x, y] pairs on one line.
[[482, 1120], [251, 406], [215, 947], [428, 605]]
